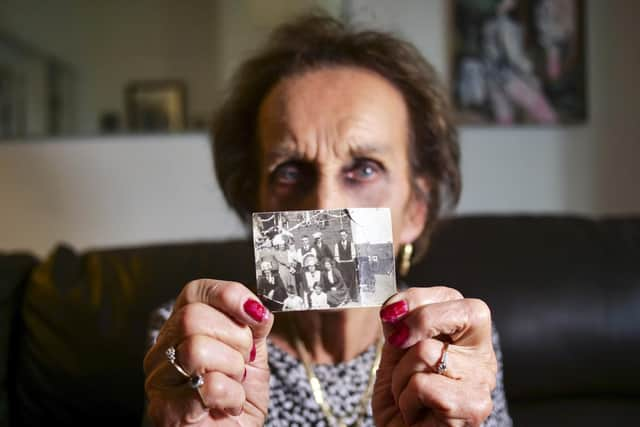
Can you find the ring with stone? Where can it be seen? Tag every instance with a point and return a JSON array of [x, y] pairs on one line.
[[171, 356], [441, 367], [196, 381]]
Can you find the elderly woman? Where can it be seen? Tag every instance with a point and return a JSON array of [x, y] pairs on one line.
[[324, 117]]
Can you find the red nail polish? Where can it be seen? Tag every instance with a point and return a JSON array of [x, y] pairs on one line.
[[393, 312], [255, 310], [399, 337], [252, 354]]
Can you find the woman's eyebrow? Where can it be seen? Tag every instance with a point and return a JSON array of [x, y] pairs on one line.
[[362, 149], [356, 149], [282, 151]]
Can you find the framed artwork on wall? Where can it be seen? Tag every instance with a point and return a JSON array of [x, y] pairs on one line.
[[519, 62], [156, 105]]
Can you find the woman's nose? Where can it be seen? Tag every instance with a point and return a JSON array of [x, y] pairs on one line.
[[327, 194]]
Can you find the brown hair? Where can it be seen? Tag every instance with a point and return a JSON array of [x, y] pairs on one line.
[[314, 41]]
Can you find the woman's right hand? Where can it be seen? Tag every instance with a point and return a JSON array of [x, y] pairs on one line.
[[219, 330]]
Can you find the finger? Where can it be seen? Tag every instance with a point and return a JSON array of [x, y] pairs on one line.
[[233, 299], [202, 319], [425, 357], [166, 384], [171, 400], [196, 356], [199, 319], [236, 301], [221, 393], [463, 322], [400, 304], [445, 399], [176, 411], [200, 354]]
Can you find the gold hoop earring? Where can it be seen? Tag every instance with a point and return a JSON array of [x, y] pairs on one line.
[[405, 259]]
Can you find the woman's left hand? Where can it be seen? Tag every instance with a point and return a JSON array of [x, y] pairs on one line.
[[420, 325]]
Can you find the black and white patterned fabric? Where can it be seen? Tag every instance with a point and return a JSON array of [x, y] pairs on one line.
[[291, 400]]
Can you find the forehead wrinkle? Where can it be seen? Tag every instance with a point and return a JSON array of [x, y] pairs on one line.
[[353, 147], [289, 135], [361, 136]]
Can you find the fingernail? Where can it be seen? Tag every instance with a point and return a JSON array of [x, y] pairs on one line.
[[393, 312], [244, 375], [256, 310], [252, 355], [399, 337]]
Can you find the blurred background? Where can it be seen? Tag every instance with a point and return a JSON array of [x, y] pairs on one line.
[[104, 108]]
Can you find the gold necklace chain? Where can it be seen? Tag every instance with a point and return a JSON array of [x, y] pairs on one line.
[[318, 394]]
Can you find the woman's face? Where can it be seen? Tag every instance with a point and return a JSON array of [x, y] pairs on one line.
[[338, 137], [312, 268], [327, 265]]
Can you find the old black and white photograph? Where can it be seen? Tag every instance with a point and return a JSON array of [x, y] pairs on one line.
[[324, 259]]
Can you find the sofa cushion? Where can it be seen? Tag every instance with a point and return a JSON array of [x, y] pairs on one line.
[[14, 269], [85, 324], [564, 293]]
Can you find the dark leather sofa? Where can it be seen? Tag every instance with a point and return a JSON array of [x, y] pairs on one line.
[[564, 291]]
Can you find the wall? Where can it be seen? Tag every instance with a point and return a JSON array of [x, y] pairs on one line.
[[149, 189], [106, 192], [106, 45]]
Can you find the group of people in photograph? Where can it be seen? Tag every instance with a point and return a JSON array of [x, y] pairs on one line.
[[309, 273]]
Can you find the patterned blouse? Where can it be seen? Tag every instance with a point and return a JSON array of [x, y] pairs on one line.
[[291, 400]]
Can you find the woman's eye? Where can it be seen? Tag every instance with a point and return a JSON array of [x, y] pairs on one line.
[[291, 174], [286, 174], [363, 170]]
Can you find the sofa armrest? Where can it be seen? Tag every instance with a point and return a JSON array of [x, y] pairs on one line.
[[14, 270]]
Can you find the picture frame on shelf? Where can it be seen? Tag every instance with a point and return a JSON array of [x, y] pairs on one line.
[[156, 105]]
